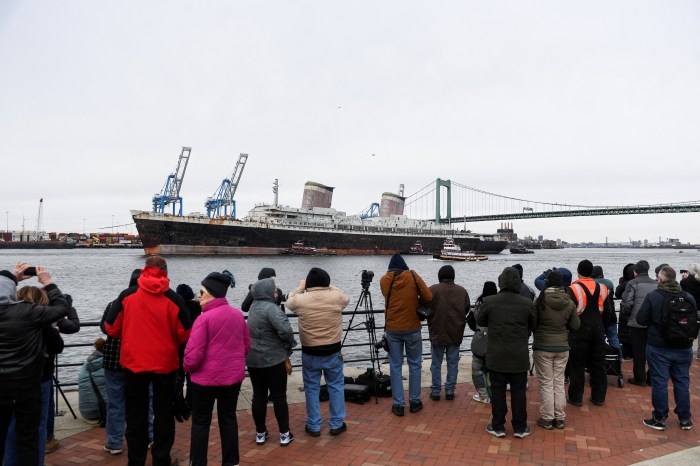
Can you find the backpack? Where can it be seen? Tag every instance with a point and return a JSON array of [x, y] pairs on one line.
[[679, 320]]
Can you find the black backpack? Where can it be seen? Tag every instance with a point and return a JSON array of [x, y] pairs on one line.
[[679, 320]]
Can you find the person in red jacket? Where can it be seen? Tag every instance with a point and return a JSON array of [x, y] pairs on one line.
[[152, 322]]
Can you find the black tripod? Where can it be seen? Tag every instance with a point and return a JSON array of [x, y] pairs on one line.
[[365, 302]]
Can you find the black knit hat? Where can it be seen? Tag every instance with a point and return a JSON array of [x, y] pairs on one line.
[[597, 272], [490, 289], [397, 262], [585, 268], [446, 272], [185, 291], [555, 278], [317, 277], [519, 268], [658, 269], [266, 272], [217, 284], [641, 267], [8, 274]]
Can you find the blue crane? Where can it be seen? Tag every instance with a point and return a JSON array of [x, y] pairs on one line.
[[170, 194], [218, 204], [371, 211]]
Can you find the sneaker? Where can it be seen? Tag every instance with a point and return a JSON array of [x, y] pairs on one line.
[[339, 430], [313, 433], [416, 406], [285, 439], [449, 396], [478, 398], [523, 433], [687, 424], [51, 445], [150, 444], [112, 450], [655, 423], [558, 423], [397, 409], [494, 432], [260, 437], [545, 423], [435, 397]]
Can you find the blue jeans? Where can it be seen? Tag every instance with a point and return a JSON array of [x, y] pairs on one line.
[[437, 352], [51, 418], [673, 363], [10, 457], [611, 335], [116, 409], [413, 343], [332, 369]]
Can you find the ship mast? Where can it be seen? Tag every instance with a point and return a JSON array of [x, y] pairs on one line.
[[275, 189], [39, 219]]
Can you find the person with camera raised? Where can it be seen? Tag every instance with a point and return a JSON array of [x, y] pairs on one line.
[[22, 357], [319, 306], [451, 305], [404, 290]]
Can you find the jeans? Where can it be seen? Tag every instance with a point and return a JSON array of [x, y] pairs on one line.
[[611, 335], [550, 373], [25, 404], [452, 353], [10, 457], [413, 343], [480, 376], [518, 400], [272, 380], [116, 409], [202, 407], [138, 386], [332, 368], [673, 363]]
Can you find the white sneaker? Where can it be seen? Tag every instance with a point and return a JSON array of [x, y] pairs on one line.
[[260, 437], [286, 438], [478, 398]]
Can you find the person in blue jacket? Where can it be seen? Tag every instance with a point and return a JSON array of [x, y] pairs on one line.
[[92, 390]]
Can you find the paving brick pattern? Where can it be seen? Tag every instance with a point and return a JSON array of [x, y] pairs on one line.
[[444, 432]]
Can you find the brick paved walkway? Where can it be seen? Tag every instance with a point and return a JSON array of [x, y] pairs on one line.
[[445, 432]]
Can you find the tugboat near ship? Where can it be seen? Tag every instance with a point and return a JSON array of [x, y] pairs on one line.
[[451, 252]]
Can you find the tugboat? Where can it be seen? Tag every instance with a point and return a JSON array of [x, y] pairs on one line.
[[417, 248], [301, 249], [520, 250], [452, 252]]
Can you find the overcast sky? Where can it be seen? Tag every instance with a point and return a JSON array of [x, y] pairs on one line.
[[579, 102]]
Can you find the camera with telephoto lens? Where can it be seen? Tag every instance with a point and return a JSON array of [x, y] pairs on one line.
[[367, 276], [382, 344]]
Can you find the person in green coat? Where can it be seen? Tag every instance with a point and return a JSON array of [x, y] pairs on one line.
[[510, 318]]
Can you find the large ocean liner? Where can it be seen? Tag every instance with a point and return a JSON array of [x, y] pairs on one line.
[[273, 229]]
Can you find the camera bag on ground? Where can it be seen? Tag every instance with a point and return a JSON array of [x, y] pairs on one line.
[[357, 393], [679, 320], [379, 384], [323, 392]]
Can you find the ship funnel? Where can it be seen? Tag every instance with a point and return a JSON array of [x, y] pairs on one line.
[[316, 195], [392, 204]]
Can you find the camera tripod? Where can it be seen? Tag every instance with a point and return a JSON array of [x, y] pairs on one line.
[[365, 302]]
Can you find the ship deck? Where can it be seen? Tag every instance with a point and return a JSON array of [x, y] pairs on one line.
[[444, 432]]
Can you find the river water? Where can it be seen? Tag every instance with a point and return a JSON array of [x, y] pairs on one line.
[[95, 277]]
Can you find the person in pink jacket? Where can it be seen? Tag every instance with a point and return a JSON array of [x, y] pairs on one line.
[[215, 360]]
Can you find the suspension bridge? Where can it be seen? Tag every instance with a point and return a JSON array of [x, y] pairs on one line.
[[468, 204]]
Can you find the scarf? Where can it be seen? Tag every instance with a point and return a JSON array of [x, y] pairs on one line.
[[670, 286]]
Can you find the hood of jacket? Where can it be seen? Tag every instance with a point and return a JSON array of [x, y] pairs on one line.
[[94, 361], [264, 289], [557, 298], [8, 291], [509, 280], [154, 280], [397, 263]]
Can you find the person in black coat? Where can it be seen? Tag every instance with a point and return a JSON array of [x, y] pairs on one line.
[[265, 272], [690, 283], [623, 331]]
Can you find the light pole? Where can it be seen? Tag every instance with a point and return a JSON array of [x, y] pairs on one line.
[[7, 221], [112, 224]]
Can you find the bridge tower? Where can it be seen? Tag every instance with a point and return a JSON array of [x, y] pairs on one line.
[[448, 185]]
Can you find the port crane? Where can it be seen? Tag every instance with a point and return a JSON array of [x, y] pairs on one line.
[[218, 204], [170, 194]]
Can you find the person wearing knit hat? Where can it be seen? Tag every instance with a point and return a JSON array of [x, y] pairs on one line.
[[450, 306], [480, 376], [195, 310], [319, 306], [611, 327], [635, 292], [595, 312], [510, 319], [215, 359], [525, 289], [556, 316], [659, 267], [404, 291], [690, 283], [152, 322], [265, 272]]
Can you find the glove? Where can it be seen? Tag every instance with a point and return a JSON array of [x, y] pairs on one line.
[[181, 411]]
